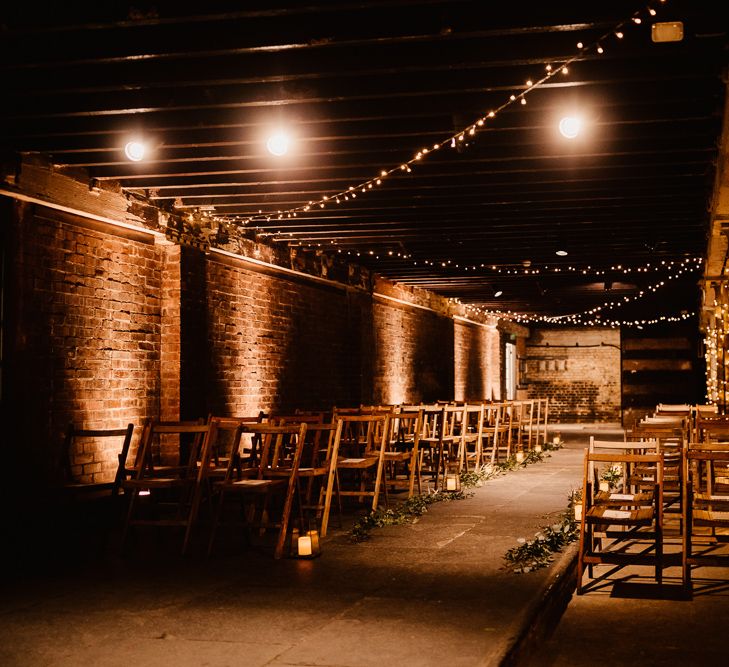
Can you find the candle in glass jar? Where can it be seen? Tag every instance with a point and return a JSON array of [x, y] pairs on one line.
[[305, 546]]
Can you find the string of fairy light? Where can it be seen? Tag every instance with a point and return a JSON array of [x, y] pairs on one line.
[[460, 139], [715, 350], [684, 267], [552, 70], [528, 268]]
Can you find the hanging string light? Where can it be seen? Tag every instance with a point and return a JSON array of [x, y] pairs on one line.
[[551, 70], [595, 322], [589, 315], [512, 269]]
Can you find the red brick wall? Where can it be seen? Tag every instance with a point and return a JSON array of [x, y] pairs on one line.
[[280, 343], [83, 335], [413, 353], [107, 326], [578, 369], [477, 362]]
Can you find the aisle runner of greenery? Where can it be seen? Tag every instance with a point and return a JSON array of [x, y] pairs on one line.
[[413, 508]]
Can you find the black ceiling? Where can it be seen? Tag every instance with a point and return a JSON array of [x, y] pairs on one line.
[[363, 86]]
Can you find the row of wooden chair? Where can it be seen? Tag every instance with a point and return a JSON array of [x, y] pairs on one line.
[[365, 454], [662, 470]]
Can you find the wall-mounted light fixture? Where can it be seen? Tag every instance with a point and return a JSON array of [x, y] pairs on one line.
[[671, 31]]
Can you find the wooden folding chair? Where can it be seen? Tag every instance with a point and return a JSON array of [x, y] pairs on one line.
[[435, 440], [451, 443], [402, 451], [621, 527], [273, 478], [495, 433], [360, 444], [706, 507], [90, 444], [318, 463], [527, 423], [168, 495], [471, 437]]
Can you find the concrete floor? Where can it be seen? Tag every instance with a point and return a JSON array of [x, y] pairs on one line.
[[625, 620], [430, 593]]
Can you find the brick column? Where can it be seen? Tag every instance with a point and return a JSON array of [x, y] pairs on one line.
[[171, 333]]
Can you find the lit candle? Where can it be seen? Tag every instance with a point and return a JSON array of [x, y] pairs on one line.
[[537, 448], [305, 546], [555, 440], [604, 485], [450, 483], [519, 457], [578, 511]]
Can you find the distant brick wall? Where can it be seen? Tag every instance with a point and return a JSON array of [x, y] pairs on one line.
[[84, 341], [578, 369]]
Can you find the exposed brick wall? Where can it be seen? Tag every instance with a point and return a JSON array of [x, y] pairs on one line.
[[107, 326], [278, 343], [578, 369], [84, 342], [477, 362], [414, 354], [170, 343]]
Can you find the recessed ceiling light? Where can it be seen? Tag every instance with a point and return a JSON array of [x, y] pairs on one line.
[[498, 293], [134, 150], [278, 143], [562, 253], [570, 126]]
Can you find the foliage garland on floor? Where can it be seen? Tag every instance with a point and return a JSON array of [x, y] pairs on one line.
[[413, 508], [539, 552]]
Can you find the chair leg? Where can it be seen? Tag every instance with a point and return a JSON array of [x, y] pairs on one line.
[[580, 562], [130, 513], [192, 517], [288, 504], [216, 521]]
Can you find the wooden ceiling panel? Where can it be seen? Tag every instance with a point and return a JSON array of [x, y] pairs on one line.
[[362, 87]]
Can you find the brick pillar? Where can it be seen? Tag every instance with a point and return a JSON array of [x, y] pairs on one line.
[[171, 333], [195, 348]]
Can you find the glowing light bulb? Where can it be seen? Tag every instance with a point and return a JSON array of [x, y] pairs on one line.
[[278, 143], [570, 126], [135, 150]]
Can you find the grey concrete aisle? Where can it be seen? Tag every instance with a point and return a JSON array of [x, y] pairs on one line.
[[624, 619], [430, 593]]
